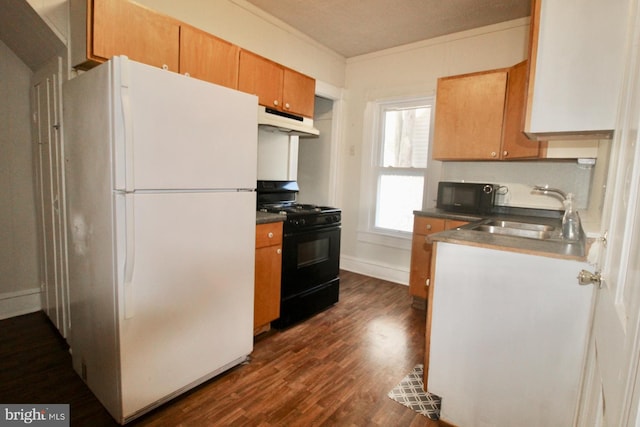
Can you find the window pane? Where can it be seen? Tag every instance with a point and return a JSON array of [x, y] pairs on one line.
[[398, 197], [406, 137]]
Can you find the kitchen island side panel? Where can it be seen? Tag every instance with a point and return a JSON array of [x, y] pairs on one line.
[[508, 337]]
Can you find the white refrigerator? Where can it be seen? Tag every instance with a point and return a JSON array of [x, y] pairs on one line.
[[160, 190]]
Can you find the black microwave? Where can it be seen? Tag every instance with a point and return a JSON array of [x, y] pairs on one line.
[[466, 197]]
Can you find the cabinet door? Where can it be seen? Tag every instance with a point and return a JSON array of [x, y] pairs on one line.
[[124, 28], [421, 254], [515, 144], [261, 77], [269, 234], [469, 116], [207, 57], [267, 274], [576, 72], [267, 285], [298, 93]]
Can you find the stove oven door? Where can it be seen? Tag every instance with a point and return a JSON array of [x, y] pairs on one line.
[[310, 259]]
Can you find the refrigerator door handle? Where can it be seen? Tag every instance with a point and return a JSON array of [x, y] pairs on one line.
[[127, 123], [129, 262]]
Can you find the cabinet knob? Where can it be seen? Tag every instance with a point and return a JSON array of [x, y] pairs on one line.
[[187, 74], [429, 227], [276, 103], [428, 282], [493, 154], [287, 106], [279, 251], [165, 67], [505, 153], [270, 235]]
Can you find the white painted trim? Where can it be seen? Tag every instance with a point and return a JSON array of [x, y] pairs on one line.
[[20, 302], [329, 91], [375, 269], [398, 241], [336, 94]]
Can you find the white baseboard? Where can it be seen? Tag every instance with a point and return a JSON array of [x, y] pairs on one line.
[[21, 302], [379, 271]]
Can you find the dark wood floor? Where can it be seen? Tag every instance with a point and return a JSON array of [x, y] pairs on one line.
[[334, 369]]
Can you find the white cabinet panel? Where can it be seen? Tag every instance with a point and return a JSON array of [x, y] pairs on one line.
[[508, 337], [576, 66]]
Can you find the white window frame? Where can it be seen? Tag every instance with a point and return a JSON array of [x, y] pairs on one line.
[[371, 170]]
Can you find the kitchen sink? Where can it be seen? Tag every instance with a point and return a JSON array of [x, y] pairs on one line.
[[518, 229]]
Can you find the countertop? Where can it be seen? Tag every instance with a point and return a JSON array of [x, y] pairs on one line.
[[549, 248], [267, 217]]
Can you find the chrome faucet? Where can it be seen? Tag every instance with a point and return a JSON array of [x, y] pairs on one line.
[[546, 190]]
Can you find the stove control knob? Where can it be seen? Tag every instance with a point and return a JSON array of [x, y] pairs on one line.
[[303, 222]]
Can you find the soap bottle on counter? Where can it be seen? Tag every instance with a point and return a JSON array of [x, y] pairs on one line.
[[570, 220]]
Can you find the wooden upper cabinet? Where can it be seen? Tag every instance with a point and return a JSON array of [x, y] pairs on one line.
[[101, 29], [262, 77], [298, 93], [479, 116], [276, 86], [469, 114], [118, 27], [515, 144], [206, 57]]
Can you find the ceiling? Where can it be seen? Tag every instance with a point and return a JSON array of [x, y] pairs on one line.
[[357, 27]]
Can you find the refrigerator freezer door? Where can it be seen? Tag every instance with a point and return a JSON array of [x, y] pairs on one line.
[[191, 311], [176, 132]]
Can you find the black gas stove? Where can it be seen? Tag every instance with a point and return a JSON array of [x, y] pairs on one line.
[[280, 197], [305, 216], [310, 251]]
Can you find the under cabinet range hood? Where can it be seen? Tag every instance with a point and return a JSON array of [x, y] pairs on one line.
[[287, 123]]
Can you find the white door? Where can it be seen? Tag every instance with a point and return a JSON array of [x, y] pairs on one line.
[[50, 192], [610, 395]]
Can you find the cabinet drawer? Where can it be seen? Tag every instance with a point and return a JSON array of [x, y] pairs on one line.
[[427, 225], [268, 234]]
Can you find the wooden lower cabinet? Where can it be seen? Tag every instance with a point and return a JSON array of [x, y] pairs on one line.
[[420, 270], [267, 275], [421, 254]]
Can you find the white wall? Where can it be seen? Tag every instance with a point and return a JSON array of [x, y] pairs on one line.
[[314, 158], [410, 70], [519, 177], [55, 13], [19, 287], [277, 155]]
